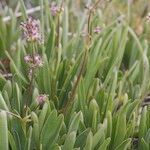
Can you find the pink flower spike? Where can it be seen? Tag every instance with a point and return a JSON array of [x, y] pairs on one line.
[[54, 9], [27, 59], [34, 61], [31, 30], [97, 30], [38, 60]]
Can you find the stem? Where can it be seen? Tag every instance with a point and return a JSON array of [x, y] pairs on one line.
[[30, 90], [89, 17], [58, 31], [42, 17], [89, 21], [72, 96], [58, 25]]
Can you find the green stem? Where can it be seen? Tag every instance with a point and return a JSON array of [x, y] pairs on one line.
[[58, 24], [58, 31]]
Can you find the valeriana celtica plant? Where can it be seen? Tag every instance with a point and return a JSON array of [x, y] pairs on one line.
[[78, 78]]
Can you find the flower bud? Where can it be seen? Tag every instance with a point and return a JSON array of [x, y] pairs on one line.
[[42, 98]]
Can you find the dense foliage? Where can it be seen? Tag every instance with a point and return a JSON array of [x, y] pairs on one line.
[[75, 76]]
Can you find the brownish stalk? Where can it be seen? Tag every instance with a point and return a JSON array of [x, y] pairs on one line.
[[88, 42], [89, 21], [91, 10], [72, 95]]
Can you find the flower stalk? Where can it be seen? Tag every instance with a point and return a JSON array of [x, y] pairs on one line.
[[87, 43], [32, 34]]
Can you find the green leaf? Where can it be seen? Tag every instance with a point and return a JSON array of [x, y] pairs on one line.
[[36, 131], [147, 137], [2, 81], [29, 139], [89, 141], [70, 141], [3, 131], [51, 129], [81, 139], [11, 141], [131, 108], [75, 122], [82, 96], [142, 126], [144, 145], [6, 98], [50, 42], [42, 116], [3, 104], [17, 100], [109, 124], [93, 114], [105, 144], [69, 78], [17, 71], [23, 9], [124, 145], [120, 130], [36, 134], [98, 138], [8, 87]]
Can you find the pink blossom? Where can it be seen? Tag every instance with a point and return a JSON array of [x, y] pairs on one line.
[[38, 60], [54, 9], [34, 61], [27, 59], [31, 30], [97, 30], [42, 98]]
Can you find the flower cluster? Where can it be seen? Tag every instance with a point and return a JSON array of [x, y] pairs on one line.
[[34, 61], [31, 30], [55, 9], [97, 30], [41, 98]]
